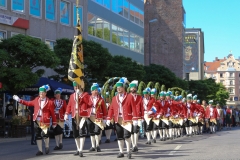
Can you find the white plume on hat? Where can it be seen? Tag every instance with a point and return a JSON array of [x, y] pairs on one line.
[[135, 82]]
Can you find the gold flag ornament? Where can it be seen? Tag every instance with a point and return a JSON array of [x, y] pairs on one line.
[[76, 66]]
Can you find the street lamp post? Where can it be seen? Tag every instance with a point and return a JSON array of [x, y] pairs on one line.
[[149, 36]]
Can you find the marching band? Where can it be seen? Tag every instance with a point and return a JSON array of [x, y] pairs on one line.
[[129, 109]]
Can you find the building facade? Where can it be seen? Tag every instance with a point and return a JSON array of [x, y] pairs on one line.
[[119, 26], [164, 29], [193, 57], [227, 72]]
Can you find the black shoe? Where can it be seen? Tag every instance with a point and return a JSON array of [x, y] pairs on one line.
[[39, 153], [164, 139], [171, 138], [60, 145], [100, 142], [161, 139], [46, 150], [210, 132], [33, 143], [146, 142], [80, 154], [154, 141], [120, 155], [92, 149], [98, 149], [107, 141], [135, 149], [129, 155], [149, 142], [76, 153], [56, 148]]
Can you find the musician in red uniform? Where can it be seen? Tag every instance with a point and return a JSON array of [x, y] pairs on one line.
[[123, 109], [96, 117], [43, 111], [164, 116], [107, 129], [77, 106], [59, 109], [182, 112], [211, 116], [191, 116], [137, 98]]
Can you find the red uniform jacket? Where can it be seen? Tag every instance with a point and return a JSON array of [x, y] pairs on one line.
[[149, 106], [214, 115], [138, 100], [128, 108], [173, 108], [61, 109], [101, 109], [192, 108], [200, 111], [47, 111], [182, 112], [82, 105], [164, 108]]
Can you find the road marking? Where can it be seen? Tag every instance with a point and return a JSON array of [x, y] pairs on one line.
[[175, 150]]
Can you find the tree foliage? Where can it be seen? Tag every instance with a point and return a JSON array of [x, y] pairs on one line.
[[121, 66], [208, 89], [20, 59]]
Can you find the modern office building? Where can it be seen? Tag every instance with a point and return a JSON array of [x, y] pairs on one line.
[[227, 72], [47, 20], [193, 60], [119, 26], [164, 29]]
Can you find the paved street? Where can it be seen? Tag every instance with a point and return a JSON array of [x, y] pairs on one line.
[[222, 145]]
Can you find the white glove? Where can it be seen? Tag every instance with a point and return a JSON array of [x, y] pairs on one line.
[[15, 97], [150, 112], [104, 121], [135, 122], [185, 119], [65, 117], [108, 122], [158, 116], [77, 91], [194, 114], [176, 116], [167, 115], [198, 114]]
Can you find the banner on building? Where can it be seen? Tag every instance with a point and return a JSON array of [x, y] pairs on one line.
[[14, 21], [191, 56]]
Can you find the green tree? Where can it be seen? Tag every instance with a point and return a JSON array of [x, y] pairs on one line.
[[20, 59], [96, 59], [161, 74], [121, 66], [222, 95]]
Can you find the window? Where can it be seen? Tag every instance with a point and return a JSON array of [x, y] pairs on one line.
[[115, 37], [222, 81], [115, 6], [106, 31], [18, 5], [221, 75], [3, 3], [64, 12], [80, 12], [126, 8], [120, 7], [231, 75], [99, 28], [91, 24], [132, 9], [231, 98], [106, 3], [3, 35], [231, 82], [50, 11], [50, 44], [35, 7]]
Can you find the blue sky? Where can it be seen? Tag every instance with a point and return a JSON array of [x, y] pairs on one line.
[[220, 22]]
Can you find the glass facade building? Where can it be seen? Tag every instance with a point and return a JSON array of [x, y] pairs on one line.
[[118, 25]]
